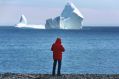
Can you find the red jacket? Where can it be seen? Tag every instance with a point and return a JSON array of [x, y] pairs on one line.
[[57, 49]]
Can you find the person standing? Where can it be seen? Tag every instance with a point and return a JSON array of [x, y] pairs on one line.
[[57, 49]]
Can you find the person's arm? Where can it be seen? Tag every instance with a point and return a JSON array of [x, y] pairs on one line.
[[52, 47], [63, 49]]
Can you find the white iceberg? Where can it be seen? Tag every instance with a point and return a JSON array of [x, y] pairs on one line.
[[23, 24], [70, 18], [53, 23]]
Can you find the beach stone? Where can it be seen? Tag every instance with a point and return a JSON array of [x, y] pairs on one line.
[[64, 76]]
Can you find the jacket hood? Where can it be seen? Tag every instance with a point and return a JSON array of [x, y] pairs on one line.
[[58, 41]]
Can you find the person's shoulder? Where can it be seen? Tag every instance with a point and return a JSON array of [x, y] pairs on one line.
[[53, 44], [62, 45]]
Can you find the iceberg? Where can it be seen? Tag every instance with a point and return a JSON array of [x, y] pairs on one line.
[[23, 24], [70, 18], [53, 23]]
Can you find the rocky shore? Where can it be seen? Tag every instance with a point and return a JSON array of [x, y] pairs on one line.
[[63, 76]]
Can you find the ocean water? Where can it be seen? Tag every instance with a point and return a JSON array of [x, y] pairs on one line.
[[90, 50]]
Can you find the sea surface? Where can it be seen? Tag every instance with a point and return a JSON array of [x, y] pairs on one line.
[[90, 50]]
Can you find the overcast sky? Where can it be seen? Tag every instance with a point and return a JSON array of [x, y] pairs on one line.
[[96, 12]]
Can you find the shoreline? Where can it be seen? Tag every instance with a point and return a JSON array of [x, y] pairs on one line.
[[63, 76]]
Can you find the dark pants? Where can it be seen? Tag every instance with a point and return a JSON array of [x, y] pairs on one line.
[[54, 67]]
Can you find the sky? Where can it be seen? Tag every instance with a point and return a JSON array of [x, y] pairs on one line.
[[95, 12]]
